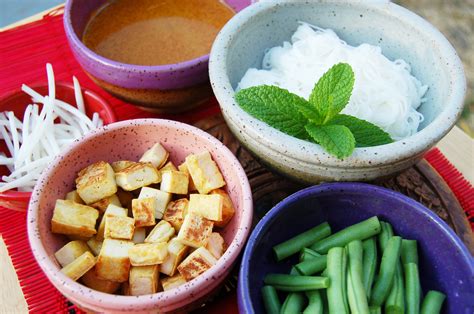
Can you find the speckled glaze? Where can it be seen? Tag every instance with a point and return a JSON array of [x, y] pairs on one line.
[[400, 33], [126, 77], [444, 262], [129, 140]]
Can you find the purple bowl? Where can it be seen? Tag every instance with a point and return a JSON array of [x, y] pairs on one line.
[[445, 263]]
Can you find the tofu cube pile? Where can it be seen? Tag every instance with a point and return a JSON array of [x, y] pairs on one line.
[[138, 228]]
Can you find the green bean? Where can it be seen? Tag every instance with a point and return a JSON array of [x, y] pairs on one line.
[[395, 303], [433, 302], [385, 234], [375, 310], [294, 271], [296, 283], [270, 300], [336, 273], [344, 279], [302, 240], [315, 305], [355, 287], [359, 231], [384, 281], [307, 254], [312, 266], [294, 303], [369, 264], [412, 288], [409, 252], [324, 273]]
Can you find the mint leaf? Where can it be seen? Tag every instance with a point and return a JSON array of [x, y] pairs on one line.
[[332, 92], [365, 133], [336, 139], [276, 107], [310, 113]]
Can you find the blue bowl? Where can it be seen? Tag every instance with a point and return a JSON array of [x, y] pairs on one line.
[[445, 263]]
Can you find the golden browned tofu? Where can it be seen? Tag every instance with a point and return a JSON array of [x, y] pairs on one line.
[[162, 232], [91, 280], [145, 254], [143, 210], [175, 212], [196, 263], [74, 196], [172, 282], [176, 252], [162, 199], [157, 155], [144, 280], [94, 245], [125, 198], [113, 262], [184, 168], [72, 250], [74, 219], [125, 288], [111, 210], [117, 227], [216, 245], [96, 182], [79, 266], [168, 166], [228, 210], [195, 230], [119, 165], [137, 175], [205, 173], [174, 182], [139, 235], [207, 206], [102, 205]]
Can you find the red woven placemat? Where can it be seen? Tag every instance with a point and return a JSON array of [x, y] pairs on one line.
[[24, 51]]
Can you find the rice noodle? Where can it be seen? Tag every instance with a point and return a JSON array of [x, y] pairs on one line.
[[385, 93]]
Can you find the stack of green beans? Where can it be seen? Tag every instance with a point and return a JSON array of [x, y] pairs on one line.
[[364, 268]]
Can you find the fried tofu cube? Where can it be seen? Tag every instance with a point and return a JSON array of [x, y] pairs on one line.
[[196, 263], [157, 155], [228, 210], [143, 210], [119, 165], [174, 182], [145, 254], [172, 282], [91, 280], [125, 288], [144, 280], [184, 168], [204, 171], [208, 206], [113, 262], [216, 245], [72, 250], [111, 210], [176, 252], [162, 199], [137, 175], [168, 166], [175, 212], [102, 205], [79, 266], [118, 227], [94, 245], [74, 196], [195, 230], [96, 182], [139, 235], [162, 232], [71, 218]]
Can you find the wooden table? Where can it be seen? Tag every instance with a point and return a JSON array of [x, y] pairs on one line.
[[457, 146]]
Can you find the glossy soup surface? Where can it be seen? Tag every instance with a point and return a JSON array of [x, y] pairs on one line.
[[155, 32]]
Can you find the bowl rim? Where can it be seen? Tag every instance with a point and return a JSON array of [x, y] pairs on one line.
[[12, 195], [119, 302], [244, 300], [306, 152]]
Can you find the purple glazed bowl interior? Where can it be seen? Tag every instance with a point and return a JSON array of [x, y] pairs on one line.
[[444, 262], [163, 77]]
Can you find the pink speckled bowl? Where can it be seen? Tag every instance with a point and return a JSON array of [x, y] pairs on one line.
[[128, 140]]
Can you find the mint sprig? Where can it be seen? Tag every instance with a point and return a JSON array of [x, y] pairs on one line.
[[317, 119]]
